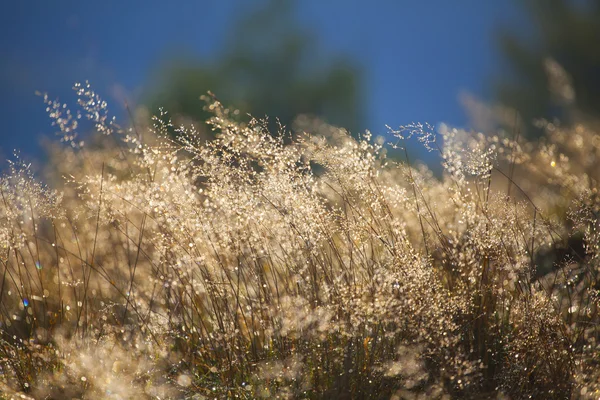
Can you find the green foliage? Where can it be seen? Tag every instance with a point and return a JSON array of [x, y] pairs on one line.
[[562, 30], [269, 67]]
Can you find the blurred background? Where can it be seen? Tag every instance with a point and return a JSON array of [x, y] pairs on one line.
[[354, 64]]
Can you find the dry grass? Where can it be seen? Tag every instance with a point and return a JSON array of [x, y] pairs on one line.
[[305, 266]]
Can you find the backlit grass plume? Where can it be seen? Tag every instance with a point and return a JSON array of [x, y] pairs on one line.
[[157, 265]]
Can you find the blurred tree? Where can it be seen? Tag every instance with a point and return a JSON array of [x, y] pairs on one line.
[[565, 34], [269, 67]]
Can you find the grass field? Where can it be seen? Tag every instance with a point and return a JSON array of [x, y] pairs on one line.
[[154, 264]]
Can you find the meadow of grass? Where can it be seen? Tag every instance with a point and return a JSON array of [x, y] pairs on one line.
[[155, 264]]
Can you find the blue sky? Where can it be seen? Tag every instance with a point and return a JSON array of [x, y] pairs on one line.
[[418, 56]]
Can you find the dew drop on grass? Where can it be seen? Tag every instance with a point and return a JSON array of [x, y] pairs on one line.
[[184, 380]]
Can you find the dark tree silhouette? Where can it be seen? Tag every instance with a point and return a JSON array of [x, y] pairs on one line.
[[269, 67], [562, 32]]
